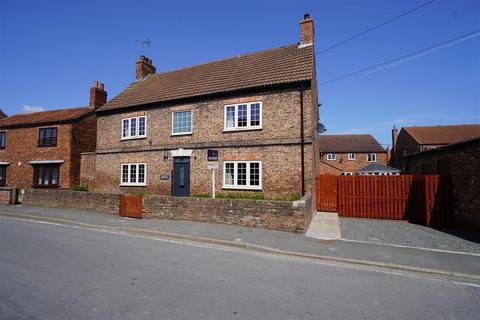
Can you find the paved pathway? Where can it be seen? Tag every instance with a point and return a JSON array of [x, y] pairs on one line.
[[324, 225], [276, 240]]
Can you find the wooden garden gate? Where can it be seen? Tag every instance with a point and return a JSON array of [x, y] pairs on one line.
[[131, 206]]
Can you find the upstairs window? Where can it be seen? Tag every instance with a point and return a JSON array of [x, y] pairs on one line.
[[331, 156], [182, 122], [371, 157], [351, 156], [243, 116], [134, 174], [47, 137], [3, 139], [135, 127]]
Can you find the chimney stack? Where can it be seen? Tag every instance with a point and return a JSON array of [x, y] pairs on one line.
[[394, 145], [306, 31], [144, 67], [98, 96]]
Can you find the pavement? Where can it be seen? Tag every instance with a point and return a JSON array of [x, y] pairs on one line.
[[435, 261], [60, 271], [325, 226]]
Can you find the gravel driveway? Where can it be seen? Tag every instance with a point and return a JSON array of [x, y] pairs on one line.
[[408, 234]]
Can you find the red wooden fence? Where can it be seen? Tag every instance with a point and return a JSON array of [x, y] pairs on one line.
[[131, 206], [376, 197], [326, 185], [421, 199]]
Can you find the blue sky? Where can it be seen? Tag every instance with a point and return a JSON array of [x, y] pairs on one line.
[[51, 51]]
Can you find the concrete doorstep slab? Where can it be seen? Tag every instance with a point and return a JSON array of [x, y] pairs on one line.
[[325, 226]]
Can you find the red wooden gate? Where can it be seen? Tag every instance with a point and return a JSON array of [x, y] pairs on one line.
[[131, 206], [432, 201], [326, 185]]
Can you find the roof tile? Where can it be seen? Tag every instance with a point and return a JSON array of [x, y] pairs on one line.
[[282, 65]]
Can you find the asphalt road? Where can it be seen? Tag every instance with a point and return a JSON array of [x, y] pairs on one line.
[[60, 272]]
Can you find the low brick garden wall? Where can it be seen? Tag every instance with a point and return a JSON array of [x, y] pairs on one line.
[[5, 194], [276, 215], [90, 201]]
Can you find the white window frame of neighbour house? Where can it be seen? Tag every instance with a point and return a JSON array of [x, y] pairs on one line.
[[173, 121], [347, 174], [351, 156], [234, 126], [235, 184], [129, 179], [331, 156], [371, 157], [128, 128]]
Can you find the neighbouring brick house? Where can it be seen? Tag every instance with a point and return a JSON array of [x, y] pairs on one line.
[[461, 162], [344, 154], [43, 149], [416, 139], [258, 111]]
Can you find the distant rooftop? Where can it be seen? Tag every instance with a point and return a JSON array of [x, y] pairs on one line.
[[44, 117], [439, 135], [346, 143]]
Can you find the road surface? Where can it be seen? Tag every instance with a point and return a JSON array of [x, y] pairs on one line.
[[50, 271]]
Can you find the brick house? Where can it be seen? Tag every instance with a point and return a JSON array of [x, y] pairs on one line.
[[255, 114], [43, 149], [344, 154], [416, 139], [461, 162]]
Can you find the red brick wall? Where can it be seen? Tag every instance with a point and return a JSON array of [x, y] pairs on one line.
[[22, 147], [342, 164], [84, 140], [464, 168]]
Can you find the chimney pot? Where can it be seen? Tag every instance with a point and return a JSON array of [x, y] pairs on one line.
[[306, 16], [102, 86], [95, 84]]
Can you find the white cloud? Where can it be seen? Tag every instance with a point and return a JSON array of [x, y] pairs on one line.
[[32, 109]]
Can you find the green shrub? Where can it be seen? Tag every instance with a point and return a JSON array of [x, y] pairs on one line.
[[79, 187], [201, 195], [294, 197], [141, 194], [240, 195]]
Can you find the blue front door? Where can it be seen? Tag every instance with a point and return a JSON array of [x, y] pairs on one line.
[[181, 177]]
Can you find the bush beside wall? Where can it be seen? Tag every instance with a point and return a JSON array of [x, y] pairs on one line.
[[90, 201]]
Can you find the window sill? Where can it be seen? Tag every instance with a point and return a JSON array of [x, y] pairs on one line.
[[242, 129], [134, 138], [133, 185], [372, 161], [257, 188], [181, 134], [46, 187]]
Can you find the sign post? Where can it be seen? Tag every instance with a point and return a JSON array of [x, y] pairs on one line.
[[212, 155]]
